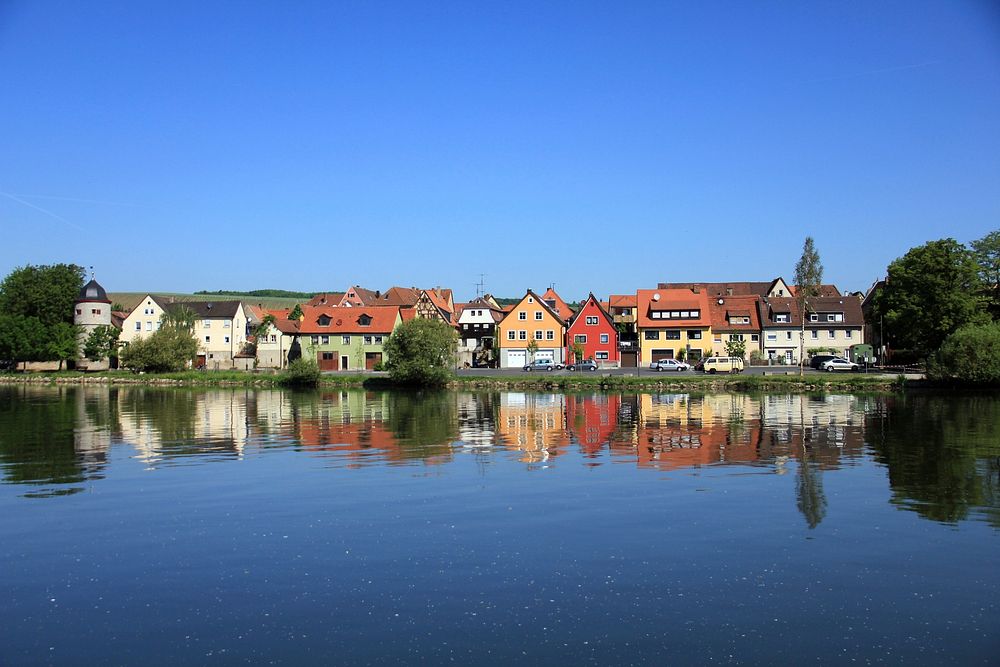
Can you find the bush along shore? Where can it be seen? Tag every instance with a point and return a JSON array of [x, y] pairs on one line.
[[305, 379]]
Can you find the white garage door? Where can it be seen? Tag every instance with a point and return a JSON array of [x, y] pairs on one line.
[[516, 358], [545, 354]]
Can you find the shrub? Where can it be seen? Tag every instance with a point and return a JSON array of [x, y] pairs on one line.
[[421, 352], [378, 366], [301, 373], [970, 355], [167, 350]]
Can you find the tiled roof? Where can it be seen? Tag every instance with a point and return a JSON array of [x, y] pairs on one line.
[[209, 309], [561, 307], [672, 299], [622, 300], [326, 299], [734, 306], [346, 320], [398, 296], [600, 307]]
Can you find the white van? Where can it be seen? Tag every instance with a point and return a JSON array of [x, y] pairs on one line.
[[723, 365]]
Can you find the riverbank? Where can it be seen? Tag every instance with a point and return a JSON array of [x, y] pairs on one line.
[[702, 383]]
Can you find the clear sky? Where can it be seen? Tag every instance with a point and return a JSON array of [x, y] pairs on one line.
[[178, 146]]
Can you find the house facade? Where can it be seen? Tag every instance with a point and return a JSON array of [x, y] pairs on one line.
[[144, 319], [275, 346], [221, 329], [673, 323], [341, 339], [477, 326], [532, 319], [622, 310], [833, 324], [592, 329], [735, 319]]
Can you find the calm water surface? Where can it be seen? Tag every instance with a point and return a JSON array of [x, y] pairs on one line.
[[165, 527]]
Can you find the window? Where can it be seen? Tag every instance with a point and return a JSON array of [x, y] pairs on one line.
[[788, 335], [850, 333], [323, 321], [522, 335], [206, 324], [368, 340], [378, 340], [325, 339], [781, 317], [591, 320], [652, 335], [717, 337], [694, 335], [672, 335], [208, 339], [530, 300], [773, 337], [346, 340], [550, 335], [315, 340], [755, 338], [815, 334], [833, 334], [813, 317], [364, 321], [149, 326], [580, 338], [138, 326], [79, 311], [226, 324], [538, 314], [538, 334], [601, 355], [274, 338], [95, 311], [226, 339], [735, 336], [522, 315], [511, 335], [465, 326], [604, 338]]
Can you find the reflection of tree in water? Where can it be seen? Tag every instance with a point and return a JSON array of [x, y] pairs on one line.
[[37, 436], [809, 495], [171, 412], [425, 423], [943, 454]]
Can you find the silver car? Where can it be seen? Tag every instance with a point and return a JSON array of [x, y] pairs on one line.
[[839, 364], [669, 365]]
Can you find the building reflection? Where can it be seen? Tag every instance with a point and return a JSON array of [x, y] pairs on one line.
[[533, 424]]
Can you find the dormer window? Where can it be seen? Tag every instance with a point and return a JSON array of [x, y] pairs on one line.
[[781, 317], [323, 321], [813, 317], [91, 292], [364, 320]]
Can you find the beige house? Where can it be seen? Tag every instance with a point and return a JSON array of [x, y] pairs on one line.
[[277, 341], [144, 318]]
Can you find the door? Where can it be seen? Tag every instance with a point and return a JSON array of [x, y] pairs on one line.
[[547, 355], [372, 358], [629, 360], [516, 358], [344, 365], [327, 361], [662, 354]]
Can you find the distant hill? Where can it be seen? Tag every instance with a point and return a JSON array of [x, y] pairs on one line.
[[277, 293]]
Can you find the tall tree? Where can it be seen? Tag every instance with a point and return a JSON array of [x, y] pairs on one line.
[[421, 352], [930, 292], [987, 254], [808, 279], [44, 292]]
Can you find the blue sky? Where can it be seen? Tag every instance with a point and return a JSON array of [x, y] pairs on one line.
[[602, 147]]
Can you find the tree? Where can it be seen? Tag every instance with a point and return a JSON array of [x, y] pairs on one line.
[[930, 292], [102, 343], [169, 349], [61, 342], [421, 352], [808, 279], [532, 349], [179, 317], [578, 351], [736, 347], [970, 355], [296, 313], [987, 255], [47, 293], [21, 338]]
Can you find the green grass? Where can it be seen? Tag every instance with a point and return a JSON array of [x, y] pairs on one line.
[[696, 383]]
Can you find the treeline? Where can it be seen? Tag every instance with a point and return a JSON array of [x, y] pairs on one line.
[[267, 293], [36, 313]]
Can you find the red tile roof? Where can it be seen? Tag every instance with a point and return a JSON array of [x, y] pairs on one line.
[[346, 320], [734, 306], [651, 300], [561, 307]]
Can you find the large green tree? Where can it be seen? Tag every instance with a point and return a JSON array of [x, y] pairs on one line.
[[47, 293], [808, 280], [987, 254], [930, 292], [102, 343], [421, 352]]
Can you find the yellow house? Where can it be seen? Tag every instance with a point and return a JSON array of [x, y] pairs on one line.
[[532, 320], [672, 322]]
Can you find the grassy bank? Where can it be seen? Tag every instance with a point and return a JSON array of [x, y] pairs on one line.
[[699, 383]]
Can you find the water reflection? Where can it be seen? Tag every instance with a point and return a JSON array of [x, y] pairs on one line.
[[942, 453]]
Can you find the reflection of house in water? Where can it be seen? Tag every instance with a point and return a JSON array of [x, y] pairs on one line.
[[831, 426], [167, 424], [679, 430], [533, 423], [476, 422], [592, 420], [95, 419]]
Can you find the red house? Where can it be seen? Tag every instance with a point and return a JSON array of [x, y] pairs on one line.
[[593, 329]]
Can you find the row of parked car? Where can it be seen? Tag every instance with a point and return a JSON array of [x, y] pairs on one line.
[[823, 362], [706, 364], [549, 365]]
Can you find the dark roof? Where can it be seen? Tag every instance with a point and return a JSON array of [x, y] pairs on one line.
[[206, 309], [93, 291]]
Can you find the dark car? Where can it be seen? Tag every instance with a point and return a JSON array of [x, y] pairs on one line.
[[588, 365], [818, 360]]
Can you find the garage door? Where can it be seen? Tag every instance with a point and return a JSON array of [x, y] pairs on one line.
[[548, 355], [516, 358], [662, 354]]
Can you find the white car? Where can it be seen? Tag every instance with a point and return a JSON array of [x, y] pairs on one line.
[[669, 365], [839, 364]]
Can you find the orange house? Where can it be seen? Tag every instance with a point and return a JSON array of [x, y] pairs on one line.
[[531, 330]]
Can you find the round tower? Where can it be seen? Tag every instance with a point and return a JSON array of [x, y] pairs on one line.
[[93, 309]]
